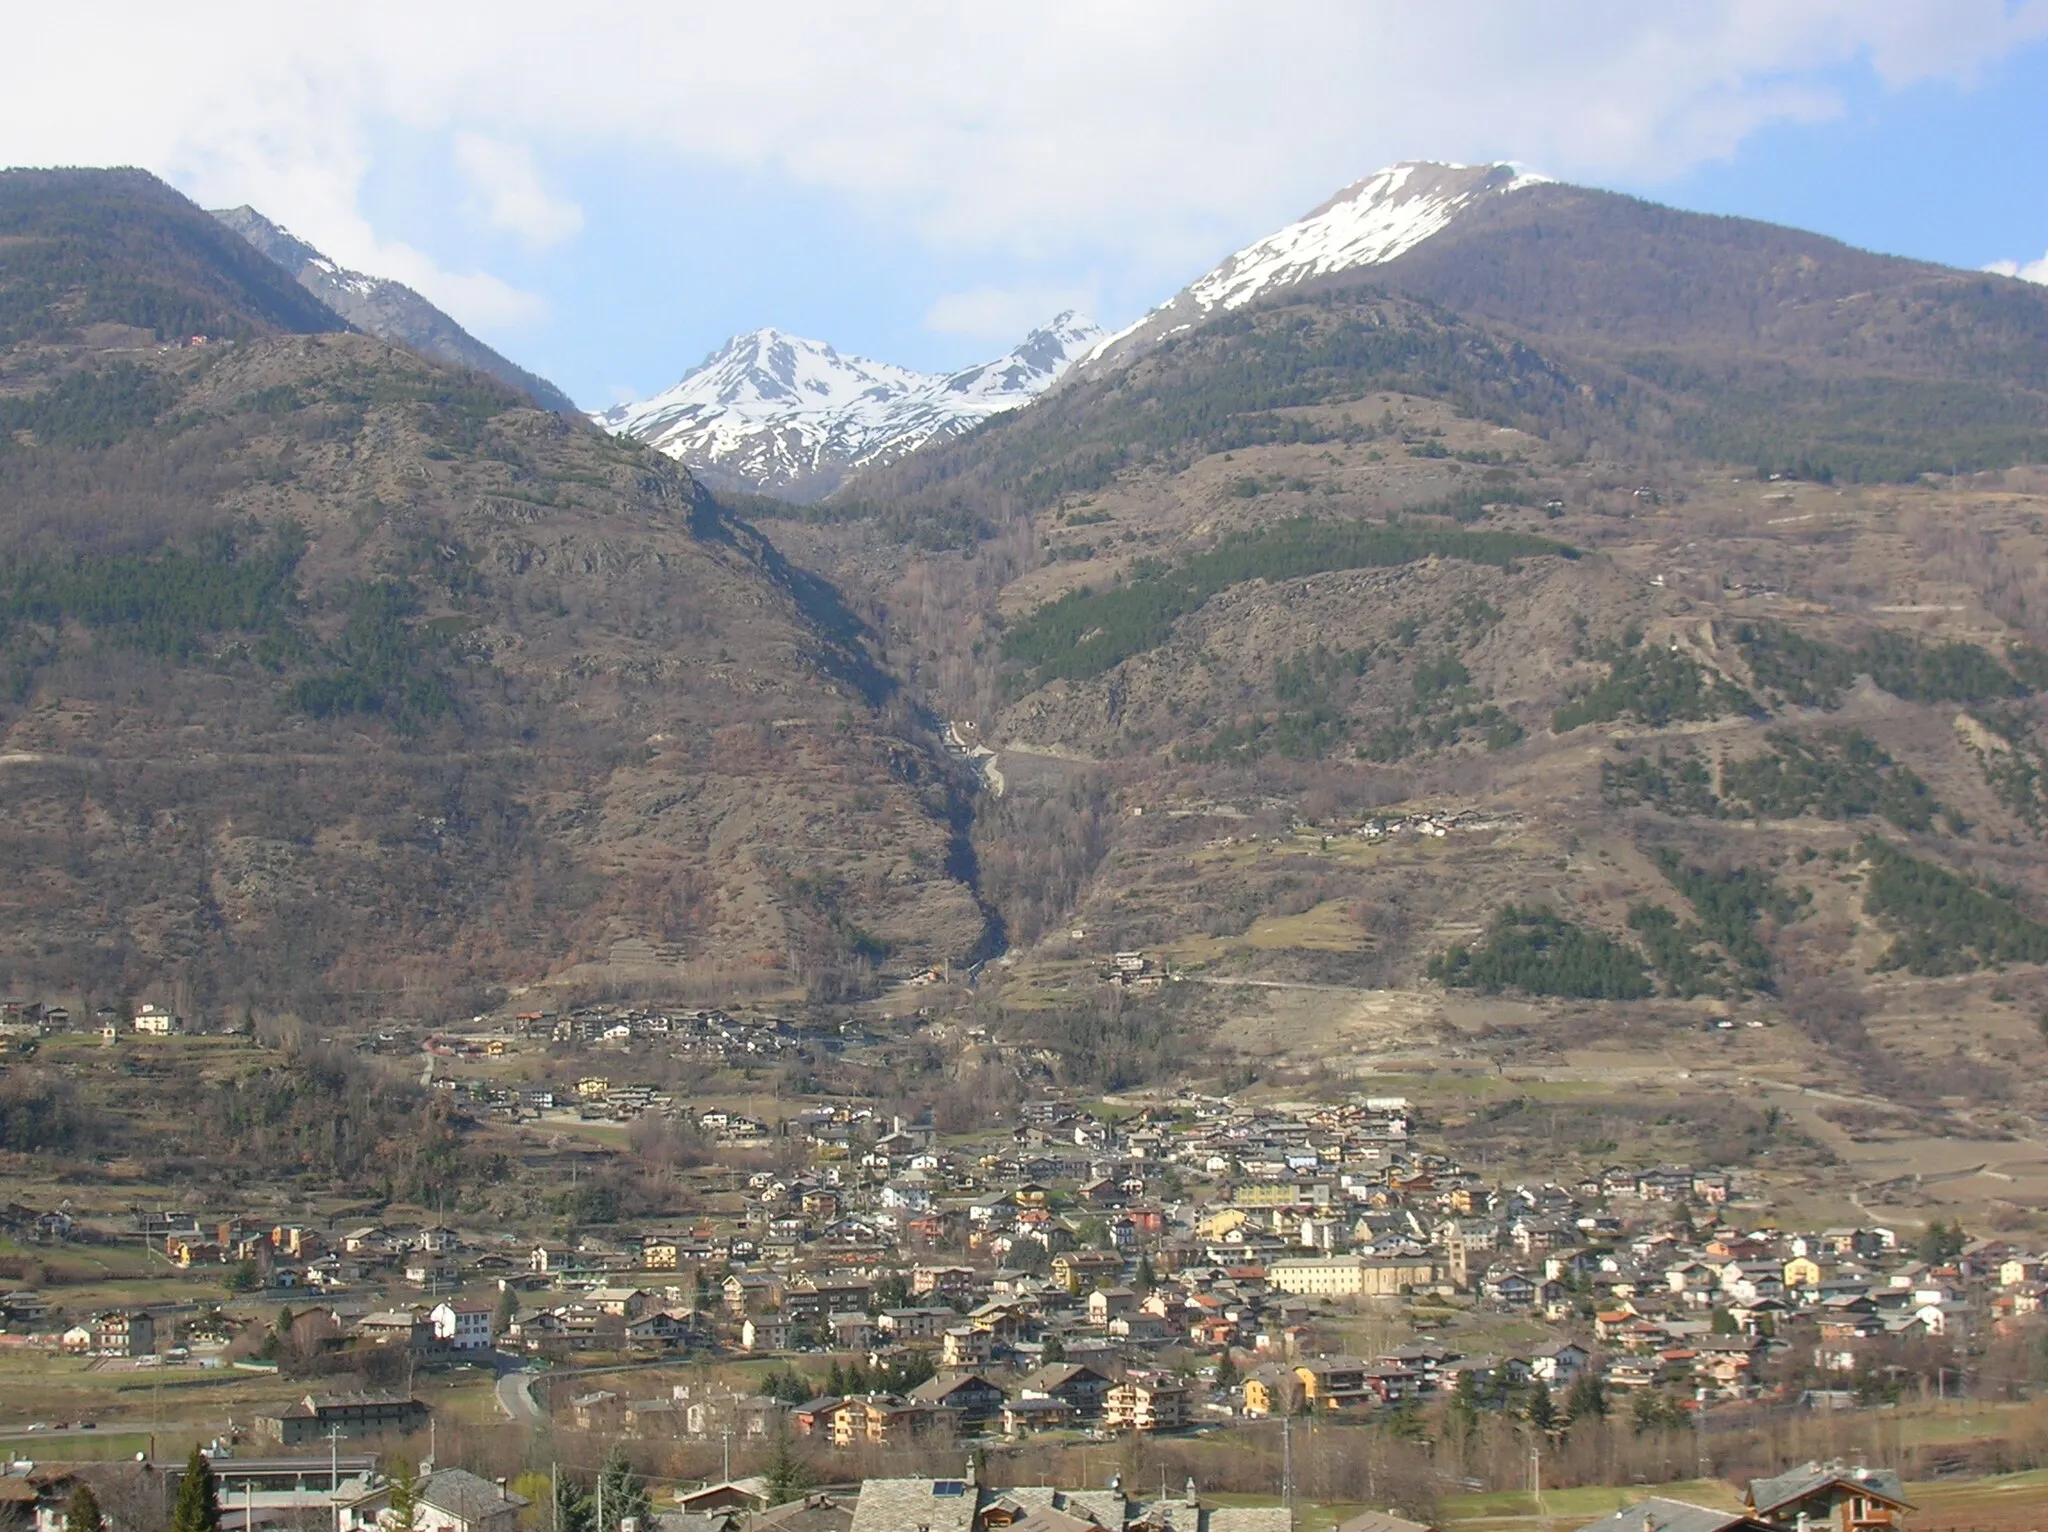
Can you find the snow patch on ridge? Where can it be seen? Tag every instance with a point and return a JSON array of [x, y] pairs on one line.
[[1368, 223], [778, 412]]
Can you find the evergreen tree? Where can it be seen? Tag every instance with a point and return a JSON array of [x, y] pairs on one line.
[[1055, 1350], [1461, 1415], [787, 1473], [83, 1513], [198, 1505], [1587, 1399], [572, 1506], [1939, 1243], [1146, 1280], [508, 1308], [622, 1494], [835, 1382], [1542, 1408], [405, 1497], [1226, 1372]]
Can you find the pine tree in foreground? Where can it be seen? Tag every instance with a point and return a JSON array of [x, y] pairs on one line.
[[198, 1505], [83, 1514]]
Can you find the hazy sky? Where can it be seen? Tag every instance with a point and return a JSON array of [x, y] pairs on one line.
[[605, 192]]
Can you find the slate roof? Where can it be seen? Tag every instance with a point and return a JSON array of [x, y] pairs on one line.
[[1381, 1521], [952, 1505], [1660, 1515], [1767, 1495], [465, 1496], [813, 1513], [906, 1505]]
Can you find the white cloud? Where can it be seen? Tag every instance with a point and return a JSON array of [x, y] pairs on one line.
[[2026, 271], [503, 180], [1003, 313], [476, 297], [1143, 138]]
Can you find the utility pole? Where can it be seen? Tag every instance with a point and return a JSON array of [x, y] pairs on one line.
[[1287, 1461], [333, 1459]]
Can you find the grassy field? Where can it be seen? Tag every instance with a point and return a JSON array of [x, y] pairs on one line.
[[95, 1446], [1563, 1509], [2017, 1500]]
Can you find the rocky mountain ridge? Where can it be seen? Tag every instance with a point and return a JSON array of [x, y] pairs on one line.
[[386, 309], [334, 679]]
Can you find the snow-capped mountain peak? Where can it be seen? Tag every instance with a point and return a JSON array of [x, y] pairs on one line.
[[786, 415], [1368, 223]]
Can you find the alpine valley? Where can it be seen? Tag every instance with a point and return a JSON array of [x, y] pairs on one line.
[[1488, 622]]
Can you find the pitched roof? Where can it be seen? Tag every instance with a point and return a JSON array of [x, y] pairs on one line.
[[944, 1386], [1767, 1495], [905, 1505], [1660, 1515], [462, 1494], [1381, 1521]]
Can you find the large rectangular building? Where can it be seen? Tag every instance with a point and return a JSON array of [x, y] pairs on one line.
[[352, 1415], [1351, 1276]]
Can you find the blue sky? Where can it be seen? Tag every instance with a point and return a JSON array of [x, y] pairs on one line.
[[605, 193], [1941, 171]]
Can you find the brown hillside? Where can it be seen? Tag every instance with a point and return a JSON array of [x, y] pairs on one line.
[[340, 682]]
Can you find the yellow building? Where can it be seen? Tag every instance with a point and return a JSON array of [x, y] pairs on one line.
[[1351, 1276], [659, 1254], [1262, 1396]]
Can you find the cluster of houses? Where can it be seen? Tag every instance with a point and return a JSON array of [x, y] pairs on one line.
[[32, 1019], [293, 1491], [703, 1031], [1138, 1251]]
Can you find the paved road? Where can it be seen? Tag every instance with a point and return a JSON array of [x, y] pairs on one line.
[[515, 1400], [1328, 989]]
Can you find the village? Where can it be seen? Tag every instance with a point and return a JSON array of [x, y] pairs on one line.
[[850, 1285], [835, 1284]]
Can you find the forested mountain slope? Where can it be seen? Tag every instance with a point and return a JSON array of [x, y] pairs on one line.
[[335, 681], [1767, 345], [1707, 733], [120, 248]]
